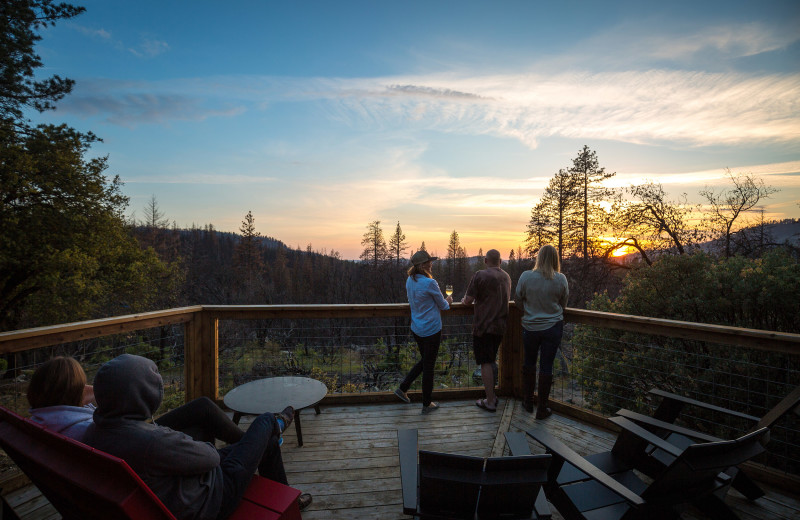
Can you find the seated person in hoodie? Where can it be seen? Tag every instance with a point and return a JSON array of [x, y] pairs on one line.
[[193, 479], [61, 401]]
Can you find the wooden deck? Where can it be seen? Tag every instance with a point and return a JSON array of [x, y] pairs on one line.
[[350, 464]]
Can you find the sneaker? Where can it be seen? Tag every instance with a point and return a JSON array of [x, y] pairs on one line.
[[430, 408], [304, 501], [285, 418], [402, 396]]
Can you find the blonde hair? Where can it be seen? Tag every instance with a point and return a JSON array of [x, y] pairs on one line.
[[58, 381], [414, 270], [547, 262]]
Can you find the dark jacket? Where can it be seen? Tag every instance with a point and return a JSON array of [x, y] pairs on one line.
[[183, 473]]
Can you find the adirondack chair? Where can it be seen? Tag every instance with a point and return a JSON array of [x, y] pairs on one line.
[[83, 483], [695, 476], [668, 411], [445, 486]]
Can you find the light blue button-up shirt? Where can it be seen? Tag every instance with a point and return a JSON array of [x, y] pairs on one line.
[[427, 302]]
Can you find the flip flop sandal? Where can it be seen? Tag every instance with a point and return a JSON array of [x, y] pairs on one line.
[[483, 403]]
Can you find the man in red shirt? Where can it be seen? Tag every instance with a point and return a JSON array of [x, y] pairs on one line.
[[489, 291]]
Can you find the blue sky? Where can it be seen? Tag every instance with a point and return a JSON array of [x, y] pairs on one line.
[[320, 117]]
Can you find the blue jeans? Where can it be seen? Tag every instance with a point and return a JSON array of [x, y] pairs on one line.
[[544, 341], [258, 448], [429, 348]]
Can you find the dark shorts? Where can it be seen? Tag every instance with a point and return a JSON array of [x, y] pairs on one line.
[[485, 347]]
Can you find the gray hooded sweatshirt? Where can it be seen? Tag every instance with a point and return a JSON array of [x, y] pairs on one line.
[[183, 473]]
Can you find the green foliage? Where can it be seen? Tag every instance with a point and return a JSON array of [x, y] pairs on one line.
[[617, 368], [21, 19], [66, 253]]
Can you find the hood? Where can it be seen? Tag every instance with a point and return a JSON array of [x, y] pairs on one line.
[[60, 417], [127, 387]]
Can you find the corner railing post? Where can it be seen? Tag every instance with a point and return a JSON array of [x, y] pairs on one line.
[[511, 355], [201, 366]]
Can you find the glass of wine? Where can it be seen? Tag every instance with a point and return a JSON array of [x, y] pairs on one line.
[[448, 290]]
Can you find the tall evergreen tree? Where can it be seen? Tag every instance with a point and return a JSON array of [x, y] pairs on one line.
[[398, 244], [20, 23], [588, 177], [554, 220], [248, 260], [375, 250]]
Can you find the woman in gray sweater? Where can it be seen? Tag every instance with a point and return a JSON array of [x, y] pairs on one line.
[[542, 295]]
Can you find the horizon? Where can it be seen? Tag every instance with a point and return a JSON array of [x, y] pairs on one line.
[[322, 118]]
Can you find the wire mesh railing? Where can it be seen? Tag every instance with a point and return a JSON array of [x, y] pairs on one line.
[[363, 349], [348, 355], [611, 369], [164, 345]]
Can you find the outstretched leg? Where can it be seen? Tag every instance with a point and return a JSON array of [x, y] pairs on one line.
[[203, 420]]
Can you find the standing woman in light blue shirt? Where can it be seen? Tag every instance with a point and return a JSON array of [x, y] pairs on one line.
[[427, 302], [542, 295]]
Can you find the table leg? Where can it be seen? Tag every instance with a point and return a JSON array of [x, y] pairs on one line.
[[297, 428], [316, 409], [236, 417]]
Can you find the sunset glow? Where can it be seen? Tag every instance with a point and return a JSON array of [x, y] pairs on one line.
[[319, 122]]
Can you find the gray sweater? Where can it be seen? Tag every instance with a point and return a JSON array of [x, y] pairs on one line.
[[542, 300], [183, 473]]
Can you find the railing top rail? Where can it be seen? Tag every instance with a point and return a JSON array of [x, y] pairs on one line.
[[17, 340], [44, 336], [769, 340]]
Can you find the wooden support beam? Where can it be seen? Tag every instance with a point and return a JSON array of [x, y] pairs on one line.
[[201, 364]]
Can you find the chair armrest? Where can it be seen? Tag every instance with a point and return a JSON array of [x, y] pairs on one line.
[[409, 473], [541, 507], [646, 436], [560, 450], [700, 404], [646, 420], [517, 443]]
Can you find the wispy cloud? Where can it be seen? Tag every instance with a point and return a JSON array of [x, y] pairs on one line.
[[775, 174], [95, 33], [149, 47], [129, 104], [654, 106], [221, 178]]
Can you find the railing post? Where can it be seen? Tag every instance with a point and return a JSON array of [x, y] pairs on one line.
[[201, 364], [511, 355]]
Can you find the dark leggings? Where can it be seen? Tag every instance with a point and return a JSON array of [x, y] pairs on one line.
[[203, 421], [546, 341], [429, 349], [258, 448]]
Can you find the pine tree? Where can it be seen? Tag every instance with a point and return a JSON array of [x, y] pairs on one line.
[[588, 177], [398, 244], [375, 250], [247, 257], [555, 219]]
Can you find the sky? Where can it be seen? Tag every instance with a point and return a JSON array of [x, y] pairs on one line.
[[321, 117]]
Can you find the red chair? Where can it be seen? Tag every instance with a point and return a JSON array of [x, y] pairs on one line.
[[84, 483]]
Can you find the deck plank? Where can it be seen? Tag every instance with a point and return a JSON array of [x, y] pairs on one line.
[[349, 460]]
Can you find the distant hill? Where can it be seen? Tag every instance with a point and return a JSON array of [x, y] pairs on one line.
[[772, 234], [785, 231]]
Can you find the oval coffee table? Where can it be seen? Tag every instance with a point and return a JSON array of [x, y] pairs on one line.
[[273, 395]]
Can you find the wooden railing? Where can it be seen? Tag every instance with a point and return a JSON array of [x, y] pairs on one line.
[[201, 334], [201, 344]]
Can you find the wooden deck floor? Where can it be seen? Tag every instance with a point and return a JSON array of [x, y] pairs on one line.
[[350, 464]]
